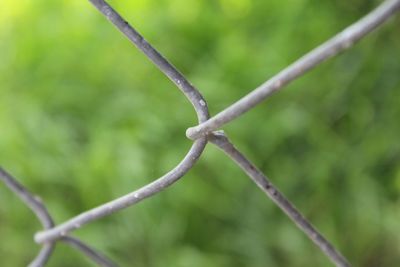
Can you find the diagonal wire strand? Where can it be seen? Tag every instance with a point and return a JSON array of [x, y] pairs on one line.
[[43, 256], [172, 176], [36, 205], [125, 201], [33, 202], [197, 100], [219, 139], [342, 41], [39, 209], [95, 256]]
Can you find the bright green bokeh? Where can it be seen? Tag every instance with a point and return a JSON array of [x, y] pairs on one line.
[[85, 117]]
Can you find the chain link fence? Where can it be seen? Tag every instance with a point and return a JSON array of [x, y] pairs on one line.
[[202, 134]]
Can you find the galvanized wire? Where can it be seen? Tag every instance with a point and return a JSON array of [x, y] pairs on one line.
[[201, 133]]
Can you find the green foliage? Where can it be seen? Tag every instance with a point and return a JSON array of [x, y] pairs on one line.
[[85, 117]]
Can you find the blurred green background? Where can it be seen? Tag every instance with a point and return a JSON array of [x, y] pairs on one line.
[[85, 117]]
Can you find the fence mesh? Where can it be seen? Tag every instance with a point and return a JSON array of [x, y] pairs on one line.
[[202, 134]]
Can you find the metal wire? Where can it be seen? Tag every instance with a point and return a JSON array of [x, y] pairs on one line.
[[38, 208], [201, 133]]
